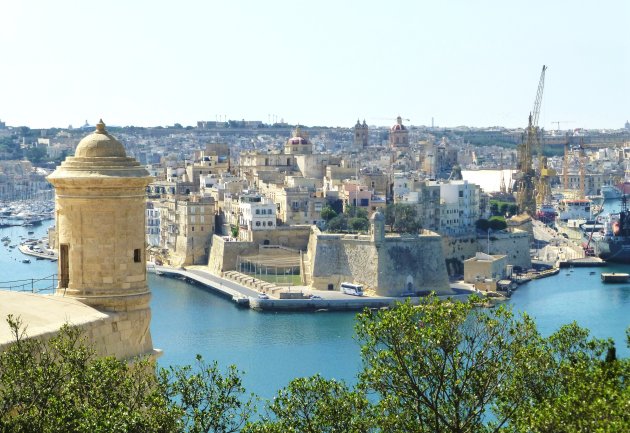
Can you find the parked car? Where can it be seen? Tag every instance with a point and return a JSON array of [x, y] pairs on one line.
[[263, 296], [314, 297]]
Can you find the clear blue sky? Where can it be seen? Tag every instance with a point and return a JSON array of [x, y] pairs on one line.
[[323, 62]]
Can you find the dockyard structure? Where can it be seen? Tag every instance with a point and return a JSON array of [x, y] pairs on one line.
[[100, 220]]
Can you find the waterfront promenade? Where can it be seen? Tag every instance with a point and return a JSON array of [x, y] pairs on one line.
[[257, 300]]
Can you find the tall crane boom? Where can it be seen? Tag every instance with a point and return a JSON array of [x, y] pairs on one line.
[[531, 187], [539, 94]]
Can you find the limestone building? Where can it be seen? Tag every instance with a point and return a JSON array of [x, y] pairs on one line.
[[100, 220]]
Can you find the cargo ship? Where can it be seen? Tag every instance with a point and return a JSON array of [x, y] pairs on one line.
[[614, 244]]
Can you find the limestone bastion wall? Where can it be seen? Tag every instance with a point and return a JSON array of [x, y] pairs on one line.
[[412, 264], [123, 335], [456, 250], [394, 266], [515, 245], [335, 258], [224, 253]]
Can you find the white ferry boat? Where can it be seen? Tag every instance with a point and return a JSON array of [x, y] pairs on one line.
[[575, 209]]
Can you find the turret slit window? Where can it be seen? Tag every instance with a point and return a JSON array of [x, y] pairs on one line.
[[64, 268], [137, 255]]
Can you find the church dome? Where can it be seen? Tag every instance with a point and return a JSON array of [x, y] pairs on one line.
[[398, 126], [100, 144], [297, 138]]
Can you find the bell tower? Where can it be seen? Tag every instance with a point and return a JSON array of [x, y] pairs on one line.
[[100, 215], [361, 135]]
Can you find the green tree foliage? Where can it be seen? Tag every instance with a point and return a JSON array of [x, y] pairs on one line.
[[402, 218], [338, 223], [482, 224], [439, 367], [494, 207], [316, 405], [206, 399], [497, 223], [358, 224], [60, 386], [36, 154], [577, 385], [328, 213]]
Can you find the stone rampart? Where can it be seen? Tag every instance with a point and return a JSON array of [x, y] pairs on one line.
[[514, 244], [399, 264], [456, 250]]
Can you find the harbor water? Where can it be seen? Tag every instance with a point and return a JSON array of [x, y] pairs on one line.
[[273, 348]]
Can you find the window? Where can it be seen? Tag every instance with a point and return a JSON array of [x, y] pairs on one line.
[[257, 223], [193, 228], [257, 211], [64, 268], [137, 255], [461, 193]]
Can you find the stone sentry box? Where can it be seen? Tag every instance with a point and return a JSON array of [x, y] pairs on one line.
[[100, 218]]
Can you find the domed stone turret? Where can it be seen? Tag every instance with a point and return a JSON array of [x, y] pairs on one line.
[[100, 144], [377, 227], [100, 204]]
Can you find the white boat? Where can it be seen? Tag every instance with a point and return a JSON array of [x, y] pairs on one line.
[[575, 209]]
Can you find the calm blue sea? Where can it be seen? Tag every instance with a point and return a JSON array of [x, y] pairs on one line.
[[274, 348]]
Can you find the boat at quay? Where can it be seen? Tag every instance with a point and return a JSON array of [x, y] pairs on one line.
[[271, 348], [614, 244]]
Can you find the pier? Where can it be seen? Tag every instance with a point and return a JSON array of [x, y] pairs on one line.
[[238, 293]]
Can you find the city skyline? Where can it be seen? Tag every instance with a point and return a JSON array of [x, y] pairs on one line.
[[323, 64]]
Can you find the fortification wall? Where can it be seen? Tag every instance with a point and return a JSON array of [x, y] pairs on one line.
[[223, 254], [337, 258], [456, 250], [412, 264], [295, 237], [515, 245], [398, 265]]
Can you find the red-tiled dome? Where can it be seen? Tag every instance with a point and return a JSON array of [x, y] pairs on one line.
[[398, 126], [298, 140]]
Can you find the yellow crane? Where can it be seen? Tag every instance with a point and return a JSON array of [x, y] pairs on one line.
[[527, 184]]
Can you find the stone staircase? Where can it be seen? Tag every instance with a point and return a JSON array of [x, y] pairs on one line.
[[254, 283]]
